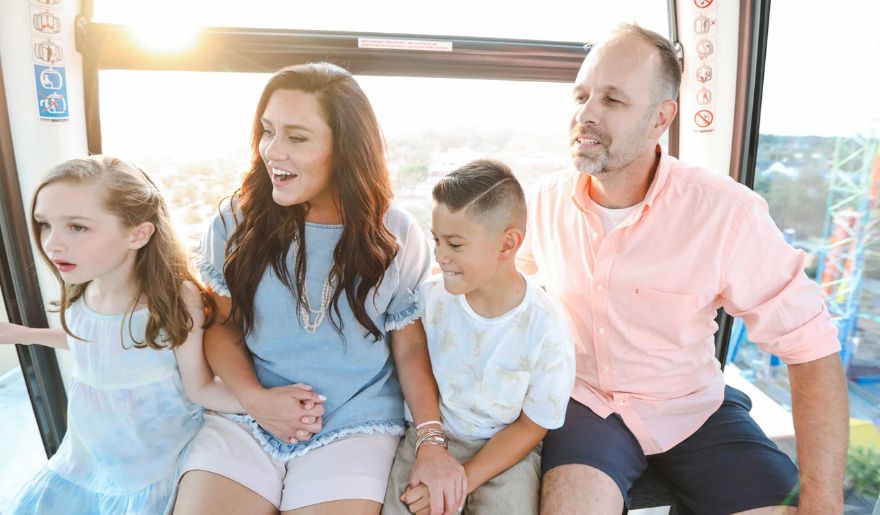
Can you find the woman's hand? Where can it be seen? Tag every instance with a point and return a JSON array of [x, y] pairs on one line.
[[291, 413], [444, 478]]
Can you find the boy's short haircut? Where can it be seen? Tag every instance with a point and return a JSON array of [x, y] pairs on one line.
[[489, 190]]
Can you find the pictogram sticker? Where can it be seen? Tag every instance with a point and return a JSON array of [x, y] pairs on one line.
[[51, 92], [702, 4], [704, 73], [704, 118], [702, 24], [704, 96], [704, 48]]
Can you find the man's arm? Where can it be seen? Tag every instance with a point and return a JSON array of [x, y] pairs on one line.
[[821, 423]]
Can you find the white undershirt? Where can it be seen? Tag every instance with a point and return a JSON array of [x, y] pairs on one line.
[[611, 218]]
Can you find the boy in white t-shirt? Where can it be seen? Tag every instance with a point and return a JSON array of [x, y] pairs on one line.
[[500, 348]]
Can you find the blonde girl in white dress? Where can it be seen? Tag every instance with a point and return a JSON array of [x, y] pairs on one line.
[[132, 315]]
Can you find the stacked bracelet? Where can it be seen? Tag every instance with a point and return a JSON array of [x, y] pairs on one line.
[[433, 437], [430, 435], [429, 423]]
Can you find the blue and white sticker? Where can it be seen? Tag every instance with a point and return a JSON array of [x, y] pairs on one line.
[[51, 92]]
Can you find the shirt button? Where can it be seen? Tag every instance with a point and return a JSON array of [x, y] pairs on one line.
[[601, 330], [595, 235], [605, 368], [599, 288], [621, 402]]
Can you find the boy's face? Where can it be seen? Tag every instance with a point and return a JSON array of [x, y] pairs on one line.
[[468, 253]]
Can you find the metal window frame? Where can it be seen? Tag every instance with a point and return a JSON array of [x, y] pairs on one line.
[[754, 21], [21, 293]]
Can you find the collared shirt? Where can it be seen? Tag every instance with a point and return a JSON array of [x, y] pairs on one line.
[[643, 297]]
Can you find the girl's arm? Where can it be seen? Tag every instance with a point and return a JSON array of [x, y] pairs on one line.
[[441, 473], [504, 450], [14, 333], [291, 413], [199, 382]]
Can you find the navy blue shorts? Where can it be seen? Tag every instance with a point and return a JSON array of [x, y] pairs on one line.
[[728, 465]]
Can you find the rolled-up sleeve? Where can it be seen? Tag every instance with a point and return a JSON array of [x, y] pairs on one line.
[[765, 285]]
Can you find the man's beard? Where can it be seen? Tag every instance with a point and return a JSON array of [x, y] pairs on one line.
[[593, 165]]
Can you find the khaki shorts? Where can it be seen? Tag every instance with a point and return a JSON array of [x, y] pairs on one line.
[[355, 467], [516, 491]]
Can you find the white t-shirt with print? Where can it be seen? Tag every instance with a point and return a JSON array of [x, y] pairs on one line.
[[491, 369]]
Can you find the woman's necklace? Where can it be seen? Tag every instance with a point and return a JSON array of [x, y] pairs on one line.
[[305, 312]]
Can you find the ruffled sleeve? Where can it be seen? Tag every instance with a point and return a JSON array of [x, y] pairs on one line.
[[414, 266], [212, 251]]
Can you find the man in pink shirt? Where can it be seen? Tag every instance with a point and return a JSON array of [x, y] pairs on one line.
[[642, 250]]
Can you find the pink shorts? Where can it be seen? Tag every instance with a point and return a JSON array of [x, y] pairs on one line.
[[355, 467]]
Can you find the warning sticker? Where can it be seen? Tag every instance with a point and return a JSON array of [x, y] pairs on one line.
[[704, 118], [51, 92], [47, 51], [700, 63], [405, 44]]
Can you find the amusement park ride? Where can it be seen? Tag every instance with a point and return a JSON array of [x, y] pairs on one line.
[[852, 231]]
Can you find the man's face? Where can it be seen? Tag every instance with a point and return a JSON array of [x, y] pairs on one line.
[[615, 110]]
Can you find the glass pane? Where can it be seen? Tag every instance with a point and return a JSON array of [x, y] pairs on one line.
[[431, 127], [820, 175], [557, 20], [21, 452]]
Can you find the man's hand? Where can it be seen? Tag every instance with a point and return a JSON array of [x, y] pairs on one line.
[[443, 477], [291, 413]]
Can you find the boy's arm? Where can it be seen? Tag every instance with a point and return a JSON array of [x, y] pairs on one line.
[[198, 379], [504, 450], [14, 333]]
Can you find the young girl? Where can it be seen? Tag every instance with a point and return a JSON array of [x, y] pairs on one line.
[[128, 300]]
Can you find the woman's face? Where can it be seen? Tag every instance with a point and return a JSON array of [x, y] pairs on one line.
[[297, 147]]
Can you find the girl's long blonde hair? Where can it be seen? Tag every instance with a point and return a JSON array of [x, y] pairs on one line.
[[161, 266]]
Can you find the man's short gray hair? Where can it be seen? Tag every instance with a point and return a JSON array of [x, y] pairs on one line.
[[669, 80]]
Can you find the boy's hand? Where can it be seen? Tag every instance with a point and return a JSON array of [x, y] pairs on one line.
[[417, 499]]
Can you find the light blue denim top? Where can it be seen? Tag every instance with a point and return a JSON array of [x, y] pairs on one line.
[[357, 375]]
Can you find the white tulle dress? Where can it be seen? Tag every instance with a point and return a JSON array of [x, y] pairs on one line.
[[129, 425]]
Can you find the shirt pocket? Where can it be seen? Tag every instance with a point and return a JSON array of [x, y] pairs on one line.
[[504, 387], [664, 319]]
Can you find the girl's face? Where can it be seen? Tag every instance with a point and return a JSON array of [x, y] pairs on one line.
[[297, 147], [82, 239]]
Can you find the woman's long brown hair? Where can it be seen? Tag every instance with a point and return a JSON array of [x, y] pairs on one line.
[[161, 266], [359, 178]]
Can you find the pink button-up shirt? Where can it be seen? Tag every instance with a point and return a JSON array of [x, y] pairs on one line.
[[643, 297]]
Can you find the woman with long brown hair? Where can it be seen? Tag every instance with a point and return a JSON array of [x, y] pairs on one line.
[[318, 331]]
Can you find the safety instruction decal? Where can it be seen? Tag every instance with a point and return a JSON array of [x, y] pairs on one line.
[[47, 53], [51, 92], [704, 30]]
